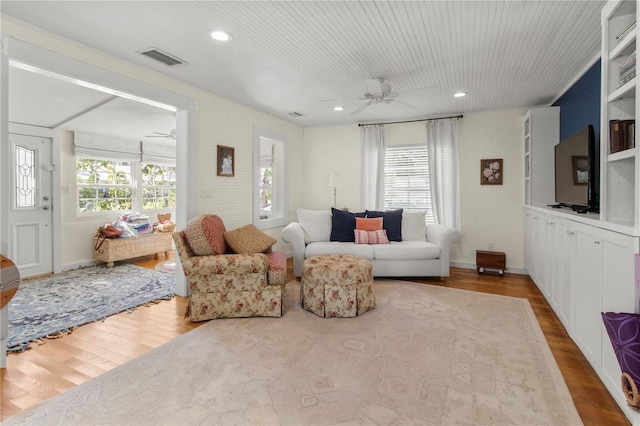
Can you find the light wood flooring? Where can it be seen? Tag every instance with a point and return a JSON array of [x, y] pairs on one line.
[[50, 369]]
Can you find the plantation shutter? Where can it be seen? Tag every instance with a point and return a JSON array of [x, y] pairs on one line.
[[406, 179]]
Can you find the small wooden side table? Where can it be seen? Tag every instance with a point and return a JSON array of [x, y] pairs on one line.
[[491, 260]]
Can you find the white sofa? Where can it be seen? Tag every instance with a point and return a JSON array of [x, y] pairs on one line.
[[423, 252]]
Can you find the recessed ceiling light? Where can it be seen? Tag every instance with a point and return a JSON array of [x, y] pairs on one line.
[[460, 94], [220, 35], [338, 108]]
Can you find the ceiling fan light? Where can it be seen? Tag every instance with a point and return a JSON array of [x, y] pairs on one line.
[[460, 94], [220, 35]]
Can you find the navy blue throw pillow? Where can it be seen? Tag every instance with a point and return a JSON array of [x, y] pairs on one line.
[[391, 222], [343, 224]]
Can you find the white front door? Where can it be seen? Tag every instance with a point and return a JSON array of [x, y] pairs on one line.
[[30, 211]]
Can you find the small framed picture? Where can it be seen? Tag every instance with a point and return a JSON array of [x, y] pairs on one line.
[[226, 161], [580, 169], [491, 171]]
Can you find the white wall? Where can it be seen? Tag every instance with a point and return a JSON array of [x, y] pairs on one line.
[[490, 213], [220, 122]]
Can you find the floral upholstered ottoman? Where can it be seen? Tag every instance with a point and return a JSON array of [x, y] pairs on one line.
[[337, 285]]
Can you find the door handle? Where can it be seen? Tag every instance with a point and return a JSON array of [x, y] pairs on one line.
[[45, 207]]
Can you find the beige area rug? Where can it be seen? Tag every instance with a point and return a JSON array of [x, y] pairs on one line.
[[425, 355]]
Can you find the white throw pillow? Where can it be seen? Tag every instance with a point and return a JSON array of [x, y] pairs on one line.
[[316, 224], [414, 227]]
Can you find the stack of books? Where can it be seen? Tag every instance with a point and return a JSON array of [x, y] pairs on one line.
[[627, 69], [621, 135]]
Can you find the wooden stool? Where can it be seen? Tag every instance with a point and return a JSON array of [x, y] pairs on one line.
[[491, 260]]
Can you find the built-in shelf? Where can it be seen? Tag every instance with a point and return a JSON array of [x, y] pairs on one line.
[[541, 134], [627, 90], [619, 180], [622, 155], [626, 46]]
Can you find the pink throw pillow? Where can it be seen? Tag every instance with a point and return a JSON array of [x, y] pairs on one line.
[[371, 237], [369, 224], [205, 235]]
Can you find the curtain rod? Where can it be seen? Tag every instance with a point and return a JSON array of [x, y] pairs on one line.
[[410, 121]]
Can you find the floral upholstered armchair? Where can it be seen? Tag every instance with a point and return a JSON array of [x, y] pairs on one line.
[[228, 285]]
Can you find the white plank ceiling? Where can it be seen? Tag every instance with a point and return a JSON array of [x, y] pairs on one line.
[[289, 56]]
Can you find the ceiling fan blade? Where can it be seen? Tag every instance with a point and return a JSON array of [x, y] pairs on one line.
[[360, 108]]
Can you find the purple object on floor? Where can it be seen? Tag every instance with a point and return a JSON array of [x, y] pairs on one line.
[[624, 333]]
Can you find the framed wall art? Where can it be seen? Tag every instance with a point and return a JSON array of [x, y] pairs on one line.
[[491, 171], [226, 161]]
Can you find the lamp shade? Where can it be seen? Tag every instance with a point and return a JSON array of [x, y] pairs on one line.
[[334, 181]]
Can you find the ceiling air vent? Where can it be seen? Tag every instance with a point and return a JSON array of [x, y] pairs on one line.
[[163, 57], [296, 114]]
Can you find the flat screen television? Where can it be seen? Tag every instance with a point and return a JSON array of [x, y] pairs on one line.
[[577, 172]]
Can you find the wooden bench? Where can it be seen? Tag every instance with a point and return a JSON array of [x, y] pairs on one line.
[[112, 250]]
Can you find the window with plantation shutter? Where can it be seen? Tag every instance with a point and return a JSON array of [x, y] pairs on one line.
[[406, 179]]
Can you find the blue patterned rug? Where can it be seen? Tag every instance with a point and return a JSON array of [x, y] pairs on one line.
[[53, 305]]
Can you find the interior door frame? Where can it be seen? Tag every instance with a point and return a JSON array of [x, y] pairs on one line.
[[186, 132]]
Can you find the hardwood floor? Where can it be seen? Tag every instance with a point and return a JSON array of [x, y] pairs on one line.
[[50, 369]]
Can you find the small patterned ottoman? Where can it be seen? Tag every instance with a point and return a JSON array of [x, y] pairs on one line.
[[337, 285]]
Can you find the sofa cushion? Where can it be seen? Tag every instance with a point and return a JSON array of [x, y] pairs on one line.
[[371, 237], [249, 239], [414, 227], [343, 223], [369, 224], [316, 224], [205, 235], [336, 247], [392, 222], [406, 250]]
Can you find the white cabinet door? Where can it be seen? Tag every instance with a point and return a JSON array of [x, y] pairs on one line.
[[588, 300], [553, 236], [619, 294], [531, 242], [540, 253], [566, 274]]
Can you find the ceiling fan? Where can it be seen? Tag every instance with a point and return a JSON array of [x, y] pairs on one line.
[[377, 91], [170, 135]]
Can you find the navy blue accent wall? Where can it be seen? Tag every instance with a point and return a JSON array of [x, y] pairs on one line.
[[580, 105]]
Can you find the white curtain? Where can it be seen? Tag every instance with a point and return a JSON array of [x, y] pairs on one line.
[[372, 144], [444, 173]]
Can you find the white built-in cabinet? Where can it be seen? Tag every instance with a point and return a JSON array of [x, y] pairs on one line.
[[620, 171], [584, 268], [541, 134], [584, 264]]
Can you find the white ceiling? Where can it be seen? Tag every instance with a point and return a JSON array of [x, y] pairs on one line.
[[287, 56], [50, 102]]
